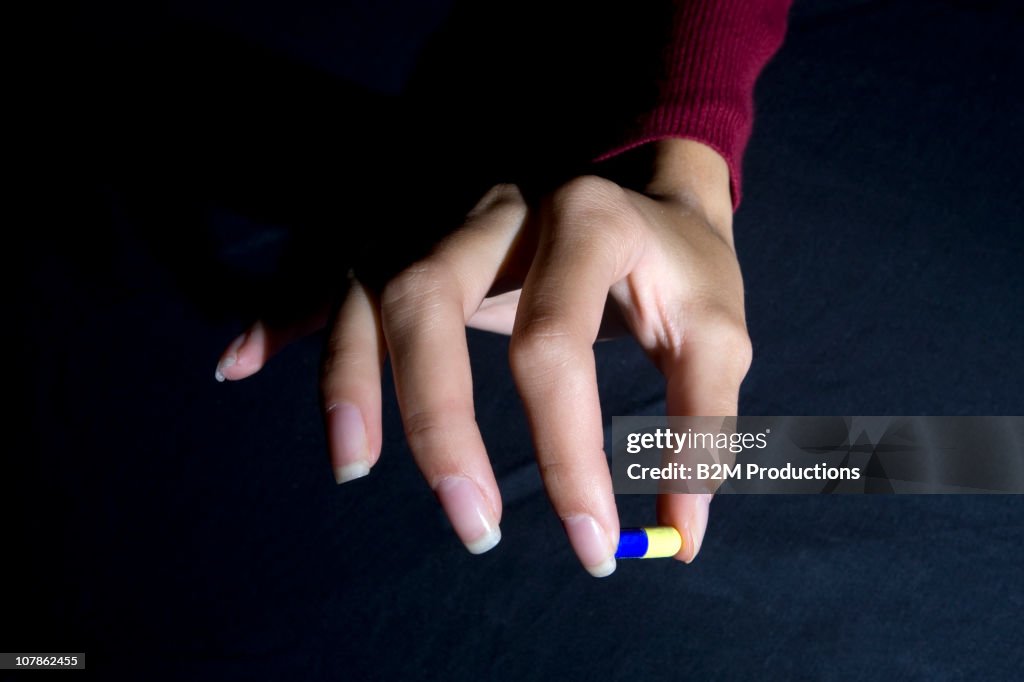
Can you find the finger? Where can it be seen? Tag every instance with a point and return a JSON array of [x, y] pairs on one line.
[[350, 385], [251, 350], [703, 380], [496, 313], [425, 310], [587, 241], [687, 513]]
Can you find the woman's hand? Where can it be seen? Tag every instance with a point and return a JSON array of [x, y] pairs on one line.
[[663, 258]]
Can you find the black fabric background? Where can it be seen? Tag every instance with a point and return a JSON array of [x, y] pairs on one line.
[[172, 527]]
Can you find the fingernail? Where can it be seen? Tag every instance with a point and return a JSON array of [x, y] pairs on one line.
[[695, 529], [228, 361], [346, 432], [591, 544], [230, 357], [689, 547], [469, 513]]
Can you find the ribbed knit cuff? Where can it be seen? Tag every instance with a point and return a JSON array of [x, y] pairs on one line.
[[716, 51]]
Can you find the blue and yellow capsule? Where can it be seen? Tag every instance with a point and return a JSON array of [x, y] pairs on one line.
[[655, 542]]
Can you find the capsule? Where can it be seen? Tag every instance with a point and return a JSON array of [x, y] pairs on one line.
[[656, 542]]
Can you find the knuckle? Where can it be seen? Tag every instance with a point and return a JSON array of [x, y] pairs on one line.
[[422, 281], [435, 427], [340, 375], [587, 198], [587, 190], [330, 368], [730, 336], [555, 473], [422, 426], [333, 366], [540, 348], [597, 216]]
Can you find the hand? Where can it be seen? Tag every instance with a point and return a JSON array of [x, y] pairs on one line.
[[664, 258]]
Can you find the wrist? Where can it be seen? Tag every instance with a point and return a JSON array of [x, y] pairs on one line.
[[682, 172], [696, 176]]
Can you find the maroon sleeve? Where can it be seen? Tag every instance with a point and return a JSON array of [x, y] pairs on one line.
[[716, 51]]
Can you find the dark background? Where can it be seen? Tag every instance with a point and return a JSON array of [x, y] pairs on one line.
[[193, 169]]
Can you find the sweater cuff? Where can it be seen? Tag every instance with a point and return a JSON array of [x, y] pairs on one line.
[[706, 91]]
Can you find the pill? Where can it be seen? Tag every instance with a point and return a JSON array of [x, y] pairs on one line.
[[648, 543]]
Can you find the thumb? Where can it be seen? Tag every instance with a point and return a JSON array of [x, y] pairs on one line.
[[703, 379]]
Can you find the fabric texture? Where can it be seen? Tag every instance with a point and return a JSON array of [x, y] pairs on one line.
[[706, 92]]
